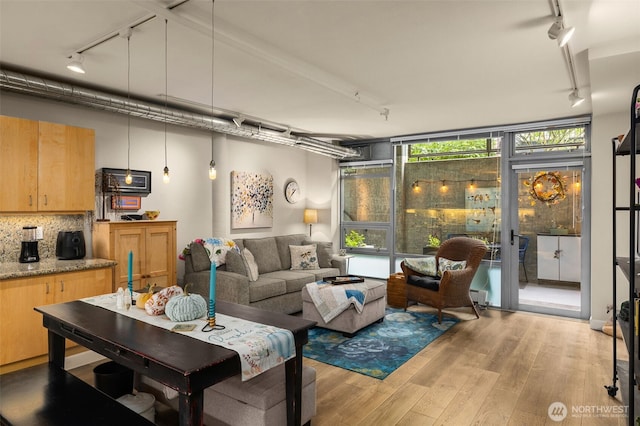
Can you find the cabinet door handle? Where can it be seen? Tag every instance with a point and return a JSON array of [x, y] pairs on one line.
[[47, 285], [556, 254], [61, 286], [30, 200], [45, 199]]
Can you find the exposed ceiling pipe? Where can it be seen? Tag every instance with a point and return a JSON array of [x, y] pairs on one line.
[[64, 92]]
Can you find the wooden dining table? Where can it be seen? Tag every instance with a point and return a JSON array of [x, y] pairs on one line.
[[178, 361]]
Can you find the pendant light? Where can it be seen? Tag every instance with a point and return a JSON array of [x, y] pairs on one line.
[[212, 165], [128, 178], [165, 173]]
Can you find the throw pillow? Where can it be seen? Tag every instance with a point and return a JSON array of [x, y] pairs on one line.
[[424, 265], [250, 265], [235, 263], [325, 252], [450, 265], [218, 248], [304, 257], [199, 257]]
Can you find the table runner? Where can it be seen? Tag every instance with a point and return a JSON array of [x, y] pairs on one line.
[[260, 346]]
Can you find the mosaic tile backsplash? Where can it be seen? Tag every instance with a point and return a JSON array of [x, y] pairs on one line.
[[11, 233]]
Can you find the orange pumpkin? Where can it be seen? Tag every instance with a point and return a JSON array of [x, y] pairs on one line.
[[142, 298]]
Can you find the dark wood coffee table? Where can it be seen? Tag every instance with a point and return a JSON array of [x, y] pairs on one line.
[[185, 364]]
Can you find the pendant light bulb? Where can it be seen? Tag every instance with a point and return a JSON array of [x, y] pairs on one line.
[[128, 179], [165, 175], [212, 170]]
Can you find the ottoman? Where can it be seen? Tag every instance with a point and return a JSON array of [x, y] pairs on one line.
[[259, 401], [350, 321]]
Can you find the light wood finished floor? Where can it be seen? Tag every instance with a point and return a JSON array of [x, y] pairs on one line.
[[503, 369]]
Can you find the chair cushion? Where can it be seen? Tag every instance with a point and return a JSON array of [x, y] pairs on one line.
[[430, 283], [424, 265]]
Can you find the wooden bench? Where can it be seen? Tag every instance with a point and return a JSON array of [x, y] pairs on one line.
[[48, 396]]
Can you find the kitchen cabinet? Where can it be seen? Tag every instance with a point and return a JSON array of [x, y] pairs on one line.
[[46, 167], [559, 258], [22, 335], [153, 244]]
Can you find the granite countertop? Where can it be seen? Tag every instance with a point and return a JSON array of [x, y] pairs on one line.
[[10, 270]]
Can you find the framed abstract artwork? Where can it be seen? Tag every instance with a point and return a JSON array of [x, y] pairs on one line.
[[251, 200]]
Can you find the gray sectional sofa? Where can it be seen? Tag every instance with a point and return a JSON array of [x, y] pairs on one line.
[[277, 288]]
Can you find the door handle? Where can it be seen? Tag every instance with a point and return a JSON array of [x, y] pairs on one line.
[[513, 234]]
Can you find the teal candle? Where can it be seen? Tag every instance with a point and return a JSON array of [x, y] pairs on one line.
[[130, 267], [212, 290]]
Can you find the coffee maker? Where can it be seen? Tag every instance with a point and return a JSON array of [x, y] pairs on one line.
[[29, 250]]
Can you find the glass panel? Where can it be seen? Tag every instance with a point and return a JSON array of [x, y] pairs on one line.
[[441, 199], [366, 196], [550, 140], [550, 228], [464, 148], [365, 238]]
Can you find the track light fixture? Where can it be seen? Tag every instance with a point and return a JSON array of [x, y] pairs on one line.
[[575, 99], [75, 63], [558, 32]]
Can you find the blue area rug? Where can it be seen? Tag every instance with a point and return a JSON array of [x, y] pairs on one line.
[[378, 349]]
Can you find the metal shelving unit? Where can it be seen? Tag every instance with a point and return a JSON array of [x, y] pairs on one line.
[[629, 264]]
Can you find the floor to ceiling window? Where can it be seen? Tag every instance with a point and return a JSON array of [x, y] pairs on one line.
[[480, 184]]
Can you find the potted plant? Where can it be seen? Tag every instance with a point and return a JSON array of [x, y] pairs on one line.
[[433, 243]]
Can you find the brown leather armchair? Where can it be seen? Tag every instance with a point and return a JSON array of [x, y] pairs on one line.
[[452, 291]]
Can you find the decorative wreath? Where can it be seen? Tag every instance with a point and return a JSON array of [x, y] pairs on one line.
[[548, 187]]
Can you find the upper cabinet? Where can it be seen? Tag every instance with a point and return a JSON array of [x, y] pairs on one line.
[[46, 167]]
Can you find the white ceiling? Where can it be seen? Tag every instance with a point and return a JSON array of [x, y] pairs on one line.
[[332, 67]]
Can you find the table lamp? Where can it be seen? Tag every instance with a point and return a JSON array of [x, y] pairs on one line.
[[310, 217]]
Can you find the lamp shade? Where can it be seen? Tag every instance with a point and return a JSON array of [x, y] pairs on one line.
[[310, 216]]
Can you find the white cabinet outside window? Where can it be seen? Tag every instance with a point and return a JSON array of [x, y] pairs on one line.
[[559, 258]]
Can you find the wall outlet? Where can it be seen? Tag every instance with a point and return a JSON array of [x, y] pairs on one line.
[[39, 233]]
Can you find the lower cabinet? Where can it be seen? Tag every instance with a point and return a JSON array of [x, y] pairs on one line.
[[559, 258], [22, 335]]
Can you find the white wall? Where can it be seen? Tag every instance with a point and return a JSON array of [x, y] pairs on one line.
[[201, 206], [605, 128]]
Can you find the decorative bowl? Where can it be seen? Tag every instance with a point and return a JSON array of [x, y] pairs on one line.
[[152, 214]]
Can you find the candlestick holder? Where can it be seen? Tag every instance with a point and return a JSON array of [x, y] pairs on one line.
[[211, 319], [130, 288]]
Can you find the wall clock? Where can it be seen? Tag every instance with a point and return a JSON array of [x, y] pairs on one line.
[[292, 192]]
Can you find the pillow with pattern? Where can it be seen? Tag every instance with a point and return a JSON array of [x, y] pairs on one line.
[[304, 257], [424, 265], [450, 265], [250, 264]]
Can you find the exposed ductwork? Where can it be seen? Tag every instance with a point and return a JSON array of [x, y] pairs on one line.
[[64, 92]]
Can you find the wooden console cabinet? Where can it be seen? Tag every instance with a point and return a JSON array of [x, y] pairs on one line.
[[22, 335], [153, 244], [46, 167]]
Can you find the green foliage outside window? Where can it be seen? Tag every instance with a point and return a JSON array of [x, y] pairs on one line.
[[354, 239]]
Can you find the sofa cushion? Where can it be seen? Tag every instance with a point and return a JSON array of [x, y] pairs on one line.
[[235, 263], [283, 242], [324, 250], [199, 257], [295, 280], [250, 264], [265, 288], [265, 252]]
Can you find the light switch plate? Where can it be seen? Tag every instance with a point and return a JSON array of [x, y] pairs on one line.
[[39, 233]]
